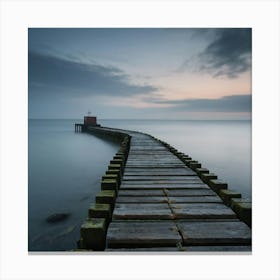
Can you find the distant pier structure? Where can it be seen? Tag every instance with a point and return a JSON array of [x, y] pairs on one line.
[[88, 121]]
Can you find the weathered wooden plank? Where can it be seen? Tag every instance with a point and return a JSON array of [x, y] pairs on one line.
[[209, 220], [141, 192], [166, 156], [153, 158], [145, 141], [157, 173], [144, 249], [167, 192], [164, 199], [148, 147], [139, 141], [226, 233], [142, 199], [132, 145], [142, 234], [158, 168], [153, 165], [189, 192], [144, 211], [164, 151], [186, 249], [162, 171], [202, 210], [157, 182], [163, 183], [172, 161], [154, 162], [180, 168], [163, 186], [195, 199], [159, 178], [236, 248], [149, 153]]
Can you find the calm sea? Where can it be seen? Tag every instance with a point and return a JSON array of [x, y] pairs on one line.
[[65, 167]]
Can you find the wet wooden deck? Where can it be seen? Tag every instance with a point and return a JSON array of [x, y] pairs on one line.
[[162, 205]]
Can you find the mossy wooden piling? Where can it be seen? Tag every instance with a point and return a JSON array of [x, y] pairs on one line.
[[155, 198]]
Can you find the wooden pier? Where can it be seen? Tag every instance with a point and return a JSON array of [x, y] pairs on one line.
[[154, 198]]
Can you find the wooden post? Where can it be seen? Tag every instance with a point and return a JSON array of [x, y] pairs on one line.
[[194, 165], [114, 166], [100, 210], [112, 176], [217, 185], [200, 171], [93, 234], [243, 209], [114, 171], [205, 177], [107, 197], [109, 184], [227, 195]]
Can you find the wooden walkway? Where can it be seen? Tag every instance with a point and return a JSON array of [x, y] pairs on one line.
[[162, 205]]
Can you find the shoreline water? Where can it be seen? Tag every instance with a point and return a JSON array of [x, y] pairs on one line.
[[64, 169]]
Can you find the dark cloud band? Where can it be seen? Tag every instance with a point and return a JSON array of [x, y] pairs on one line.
[[227, 55], [230, 53], [60, 76]]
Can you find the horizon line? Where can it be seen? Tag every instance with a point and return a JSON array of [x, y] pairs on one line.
[[105, 119]]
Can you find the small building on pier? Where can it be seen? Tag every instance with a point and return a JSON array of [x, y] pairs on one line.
[[88, 121]]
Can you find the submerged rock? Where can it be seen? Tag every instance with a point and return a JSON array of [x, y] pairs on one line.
[[57, 217]]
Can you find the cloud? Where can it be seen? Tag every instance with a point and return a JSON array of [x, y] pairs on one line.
[[61, 76], [233, 103], [227, 55]]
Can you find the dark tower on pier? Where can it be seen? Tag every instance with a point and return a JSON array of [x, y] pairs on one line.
[[90, 120]]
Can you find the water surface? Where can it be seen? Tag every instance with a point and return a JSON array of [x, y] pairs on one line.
[[65, 170]]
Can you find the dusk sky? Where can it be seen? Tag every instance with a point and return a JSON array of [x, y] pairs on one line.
[[139, 73]]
